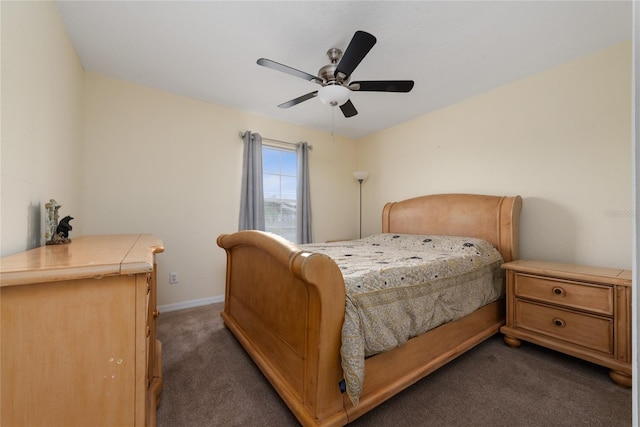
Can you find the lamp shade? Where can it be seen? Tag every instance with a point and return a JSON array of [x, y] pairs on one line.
[[333, 95], [360, 175]]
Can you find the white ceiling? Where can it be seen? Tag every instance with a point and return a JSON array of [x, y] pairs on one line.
[[453, 50]]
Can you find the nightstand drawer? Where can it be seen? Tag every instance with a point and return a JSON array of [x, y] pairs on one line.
[[588, 297], [592, 332]]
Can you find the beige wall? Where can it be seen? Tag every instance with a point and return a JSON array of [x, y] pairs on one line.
[[561, 139], [170, 165], [122, 158], [41, 123], [636, 205]]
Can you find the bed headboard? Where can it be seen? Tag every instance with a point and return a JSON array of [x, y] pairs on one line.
[[495, 219]]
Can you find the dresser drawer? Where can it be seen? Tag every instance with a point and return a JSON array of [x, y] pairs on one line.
[[589, 331], [582, 296]]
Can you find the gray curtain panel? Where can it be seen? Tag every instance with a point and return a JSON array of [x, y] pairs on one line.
[[304, 197], [252, 197]]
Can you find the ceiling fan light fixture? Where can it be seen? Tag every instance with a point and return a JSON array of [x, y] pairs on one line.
[[333, 95]]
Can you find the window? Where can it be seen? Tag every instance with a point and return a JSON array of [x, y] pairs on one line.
[[279, 172]]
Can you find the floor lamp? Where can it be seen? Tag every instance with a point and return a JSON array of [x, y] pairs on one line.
[[360, 176]]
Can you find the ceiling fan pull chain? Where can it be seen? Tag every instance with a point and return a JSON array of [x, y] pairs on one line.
[[333, 115]]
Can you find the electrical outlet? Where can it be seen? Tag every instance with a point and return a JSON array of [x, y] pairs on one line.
[[173, 277]]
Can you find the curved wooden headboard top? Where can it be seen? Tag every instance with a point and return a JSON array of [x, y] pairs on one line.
[[495, 219]]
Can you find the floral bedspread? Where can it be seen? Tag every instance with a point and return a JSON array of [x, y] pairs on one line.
[[399, 286]]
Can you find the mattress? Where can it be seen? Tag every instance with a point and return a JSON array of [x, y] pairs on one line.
[[399, 286]]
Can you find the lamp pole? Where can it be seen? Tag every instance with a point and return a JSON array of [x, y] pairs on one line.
[[360, 176], [360, 181]]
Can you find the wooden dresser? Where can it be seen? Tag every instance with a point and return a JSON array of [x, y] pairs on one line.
[[78, 337], [579, 310]]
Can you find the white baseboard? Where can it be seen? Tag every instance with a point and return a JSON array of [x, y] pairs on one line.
[[190, 304]]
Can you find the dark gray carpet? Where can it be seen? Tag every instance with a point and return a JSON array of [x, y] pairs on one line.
[[210, 381]]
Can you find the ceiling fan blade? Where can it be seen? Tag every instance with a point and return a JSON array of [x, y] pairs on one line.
[[298, 100], [360, 45], [348, 109], [382, 86], [286, 69]]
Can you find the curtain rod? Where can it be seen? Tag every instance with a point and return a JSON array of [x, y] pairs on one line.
[[277, 140]]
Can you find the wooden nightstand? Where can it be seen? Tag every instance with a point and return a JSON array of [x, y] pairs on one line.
[[579, 310]]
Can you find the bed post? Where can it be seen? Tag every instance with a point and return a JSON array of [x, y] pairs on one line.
[[326, 310], [509, 228]]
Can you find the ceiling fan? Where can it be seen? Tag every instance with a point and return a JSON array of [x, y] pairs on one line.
[[334, 77]]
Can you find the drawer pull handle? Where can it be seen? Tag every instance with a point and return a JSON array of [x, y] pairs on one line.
[[156, 313], [559, 323], [558, 291]]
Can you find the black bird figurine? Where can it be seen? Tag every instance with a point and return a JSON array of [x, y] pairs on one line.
[[64, 227]]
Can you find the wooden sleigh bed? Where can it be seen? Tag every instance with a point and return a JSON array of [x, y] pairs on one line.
[[286, 306]]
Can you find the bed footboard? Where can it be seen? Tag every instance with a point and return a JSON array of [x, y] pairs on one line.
[[286, 307]]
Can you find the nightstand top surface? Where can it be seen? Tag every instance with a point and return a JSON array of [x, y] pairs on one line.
[[613, 276]]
